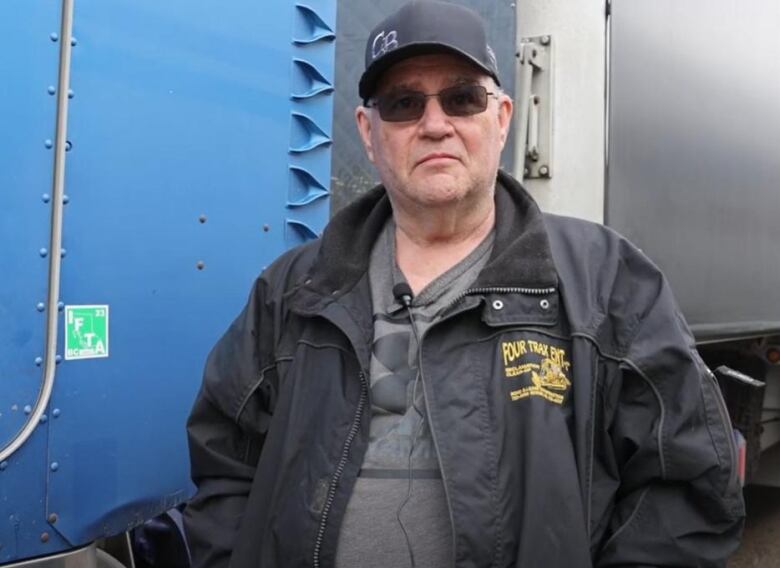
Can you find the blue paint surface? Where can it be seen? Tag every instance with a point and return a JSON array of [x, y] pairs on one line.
[[181, 125]]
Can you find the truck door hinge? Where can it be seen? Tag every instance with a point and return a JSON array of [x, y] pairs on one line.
[[533, 150]]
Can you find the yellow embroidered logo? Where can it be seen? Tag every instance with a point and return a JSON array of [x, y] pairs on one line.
[[546, 364]]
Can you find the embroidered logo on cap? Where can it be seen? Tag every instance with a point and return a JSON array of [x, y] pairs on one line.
[[384, 42], [492, 57]]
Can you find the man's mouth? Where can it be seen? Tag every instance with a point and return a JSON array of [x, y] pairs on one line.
[[436, 157]]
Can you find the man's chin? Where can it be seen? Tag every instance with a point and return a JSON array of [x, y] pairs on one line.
[[440, 191]]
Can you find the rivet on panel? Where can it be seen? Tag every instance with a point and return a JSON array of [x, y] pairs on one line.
[[3, 465], [63, 252], [266, 228], [544, 171], [43, 419], [202, 218], [65, 199], [54, 466], [48, 143], [38, 361], [45, 197], [52, 518], [68, 145], [40, 306], [58, 359], [56, 413], [43, 252], [53, 36], [51, 90], [45, 537], [73, 41], [60, 306], [200, 265], [27, 409], [71, 94]]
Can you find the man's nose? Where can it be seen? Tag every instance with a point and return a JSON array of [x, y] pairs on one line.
[[434, 121]]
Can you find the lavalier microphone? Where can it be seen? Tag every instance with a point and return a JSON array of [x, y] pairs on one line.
[[403, 293]]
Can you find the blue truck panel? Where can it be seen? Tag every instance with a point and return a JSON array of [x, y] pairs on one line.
[[199, 149], [28, 65]]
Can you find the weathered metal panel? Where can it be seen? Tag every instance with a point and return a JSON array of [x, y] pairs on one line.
[[693, 170], [28, 67], [200, 138], [578, 31], [352, 172]]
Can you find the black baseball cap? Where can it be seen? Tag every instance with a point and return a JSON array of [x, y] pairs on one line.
[[423, 27]]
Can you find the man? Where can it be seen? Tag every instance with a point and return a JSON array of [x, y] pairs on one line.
[[449, 376]]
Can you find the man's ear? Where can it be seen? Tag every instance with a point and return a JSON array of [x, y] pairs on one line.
[[364, 128], [505, 108]]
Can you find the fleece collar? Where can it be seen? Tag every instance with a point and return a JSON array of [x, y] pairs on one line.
[[521, 253]]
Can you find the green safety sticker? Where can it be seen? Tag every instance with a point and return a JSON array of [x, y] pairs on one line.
[[86, 332]]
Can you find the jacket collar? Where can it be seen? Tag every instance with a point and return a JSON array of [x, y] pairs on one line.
[[521, 254]]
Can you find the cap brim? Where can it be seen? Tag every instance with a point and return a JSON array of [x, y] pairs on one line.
[[370, 77]]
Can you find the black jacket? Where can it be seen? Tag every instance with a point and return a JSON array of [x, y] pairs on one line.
[[580, 427]]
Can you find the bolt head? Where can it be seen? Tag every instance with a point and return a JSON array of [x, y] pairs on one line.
[[45, 537]]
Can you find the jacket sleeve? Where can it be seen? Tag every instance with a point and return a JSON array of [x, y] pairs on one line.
[[679, 502], [224, 449]]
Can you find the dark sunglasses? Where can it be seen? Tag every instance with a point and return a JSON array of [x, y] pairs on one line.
[[460, 100]]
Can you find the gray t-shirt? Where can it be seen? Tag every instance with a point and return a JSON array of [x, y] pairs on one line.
[[371, 534]]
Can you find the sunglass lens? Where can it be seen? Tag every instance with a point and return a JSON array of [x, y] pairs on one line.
[[464, 100], [399, 107]]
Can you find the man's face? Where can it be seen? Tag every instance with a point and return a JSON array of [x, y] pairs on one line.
[[437, 159]]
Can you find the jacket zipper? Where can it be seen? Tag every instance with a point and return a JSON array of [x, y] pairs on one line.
[[334, 481], [436, 442]]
